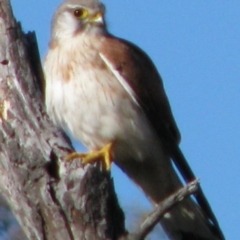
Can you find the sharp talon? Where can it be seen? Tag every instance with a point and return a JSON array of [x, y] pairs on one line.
[[104, 154]]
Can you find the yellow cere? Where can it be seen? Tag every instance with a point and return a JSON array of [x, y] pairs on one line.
[[96, 16]]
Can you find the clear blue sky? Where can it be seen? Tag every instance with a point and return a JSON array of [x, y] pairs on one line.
[[195, 45]]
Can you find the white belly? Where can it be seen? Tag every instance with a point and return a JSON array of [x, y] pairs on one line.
[[96, 109]]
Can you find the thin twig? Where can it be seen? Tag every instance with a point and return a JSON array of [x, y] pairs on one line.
[[163, 207]]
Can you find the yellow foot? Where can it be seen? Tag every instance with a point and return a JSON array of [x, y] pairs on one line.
[[104, 154]]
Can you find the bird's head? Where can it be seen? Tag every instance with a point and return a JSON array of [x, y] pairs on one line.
[[78, 16]]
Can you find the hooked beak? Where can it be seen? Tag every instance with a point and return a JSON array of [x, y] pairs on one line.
[[96, 18]]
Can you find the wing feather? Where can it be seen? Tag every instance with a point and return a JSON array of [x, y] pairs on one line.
[[140, 78]]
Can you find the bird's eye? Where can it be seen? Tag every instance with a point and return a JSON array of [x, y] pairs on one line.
[[81, 13]]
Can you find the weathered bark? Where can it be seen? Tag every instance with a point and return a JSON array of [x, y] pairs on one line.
[[51, 199]]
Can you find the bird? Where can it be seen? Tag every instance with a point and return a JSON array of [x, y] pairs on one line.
[[109, 95]]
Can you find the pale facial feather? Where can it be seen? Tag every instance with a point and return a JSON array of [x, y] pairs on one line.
[[65, 25]]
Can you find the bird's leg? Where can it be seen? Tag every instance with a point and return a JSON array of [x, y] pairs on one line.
[[104, 154]]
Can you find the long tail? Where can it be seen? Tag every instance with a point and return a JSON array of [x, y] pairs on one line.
[[188, 175], [189, 220]]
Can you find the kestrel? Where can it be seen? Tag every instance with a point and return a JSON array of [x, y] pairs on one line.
[[109, 95]]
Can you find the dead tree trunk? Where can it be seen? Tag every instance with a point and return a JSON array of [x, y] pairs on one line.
[[50, 198]]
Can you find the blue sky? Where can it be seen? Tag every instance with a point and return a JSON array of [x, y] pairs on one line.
[[195, 45]]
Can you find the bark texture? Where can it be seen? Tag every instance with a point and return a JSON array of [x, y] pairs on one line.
[[51, 199]]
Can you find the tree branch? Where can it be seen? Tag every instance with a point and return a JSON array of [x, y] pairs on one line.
[[50, 198], [153, 219]]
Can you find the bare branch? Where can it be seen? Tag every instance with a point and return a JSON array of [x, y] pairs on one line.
[[162, 208], [51, 199]]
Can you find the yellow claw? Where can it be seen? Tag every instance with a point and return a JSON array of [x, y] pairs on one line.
[[104, 154]]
